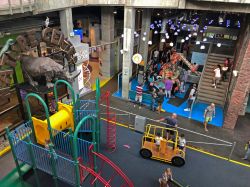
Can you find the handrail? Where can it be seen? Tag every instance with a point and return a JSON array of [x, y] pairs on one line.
[[92, 172], [114, 166], [75, 147], [68, 86], [187, 63], [204, 67], [46, 113]]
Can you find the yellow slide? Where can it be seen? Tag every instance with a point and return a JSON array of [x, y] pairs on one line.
[[61, 120]]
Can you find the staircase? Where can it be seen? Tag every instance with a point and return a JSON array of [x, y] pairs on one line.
[[207, 93]]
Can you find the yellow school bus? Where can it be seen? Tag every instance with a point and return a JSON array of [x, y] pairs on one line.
[[166, 149]]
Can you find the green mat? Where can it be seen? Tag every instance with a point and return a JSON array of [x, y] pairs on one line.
[[13, 180]]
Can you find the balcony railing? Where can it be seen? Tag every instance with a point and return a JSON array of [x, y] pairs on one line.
[[228, 1], [16, 6]]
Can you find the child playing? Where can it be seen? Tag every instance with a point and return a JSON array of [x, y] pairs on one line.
[[182, 87], [154, 98], [158, 139], [182, 142], [138, 97], [47, 145], [166, 176]]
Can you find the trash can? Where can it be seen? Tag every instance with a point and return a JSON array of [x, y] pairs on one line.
[[140, 123]]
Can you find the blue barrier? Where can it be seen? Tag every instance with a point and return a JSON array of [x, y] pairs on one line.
[[42, 159], [85, 107], [62, 143], [65, 170], [83, 149], [64, 165], [22, 152]]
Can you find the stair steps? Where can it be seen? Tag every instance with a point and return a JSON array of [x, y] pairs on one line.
[[207, 93]]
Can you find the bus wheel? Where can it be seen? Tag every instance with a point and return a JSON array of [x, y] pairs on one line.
[[178, 161], [145, 153]]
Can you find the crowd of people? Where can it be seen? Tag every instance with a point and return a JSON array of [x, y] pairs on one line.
[[165, 76]]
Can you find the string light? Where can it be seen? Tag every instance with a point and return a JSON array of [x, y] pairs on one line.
[[176, 33], [150, 43], [202, 47], [198, 43], [204, 39], [156, 32], [163, 40], [182, 40], [171, 44], [143, 38], [187, 38], [189, 35], [167, 37], [218, 44]]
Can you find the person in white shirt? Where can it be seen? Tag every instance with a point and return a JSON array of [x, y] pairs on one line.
[[217, 76], [158, 139], [182, 142], [191, 98]]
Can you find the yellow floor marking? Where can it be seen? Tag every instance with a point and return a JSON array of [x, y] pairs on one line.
[[192, 148], [102, 83], [4, 151], [7, 149]]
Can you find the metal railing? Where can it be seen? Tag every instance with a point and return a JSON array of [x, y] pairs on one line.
[[203, 71], [16, 6]]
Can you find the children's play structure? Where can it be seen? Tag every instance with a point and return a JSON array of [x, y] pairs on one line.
[[167, 150], [73, 133]]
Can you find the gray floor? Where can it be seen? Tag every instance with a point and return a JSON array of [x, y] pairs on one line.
[[7, 164], [200, 169]]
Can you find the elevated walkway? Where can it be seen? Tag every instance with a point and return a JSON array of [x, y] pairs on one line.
[[16, 6]]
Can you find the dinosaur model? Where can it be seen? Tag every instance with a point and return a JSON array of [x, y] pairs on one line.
[[44, 67]]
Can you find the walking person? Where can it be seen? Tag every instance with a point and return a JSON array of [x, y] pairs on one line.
[[247, 148], [209, 114], [217, 76], [191, 98], [154, 98], [138, 97], [160, 98], [171, 120], [224, 72], [168, 87]]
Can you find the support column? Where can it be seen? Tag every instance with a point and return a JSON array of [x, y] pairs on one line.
[[128, 47], [146, 19], [66, 21], [239, 93], [108, 55]]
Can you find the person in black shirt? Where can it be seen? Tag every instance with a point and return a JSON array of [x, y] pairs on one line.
[[161, 96], [171, 121]]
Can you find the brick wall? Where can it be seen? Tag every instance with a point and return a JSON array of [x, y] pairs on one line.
[[240, 90]]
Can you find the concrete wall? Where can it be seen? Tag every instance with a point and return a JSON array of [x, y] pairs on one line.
[[52, 5]]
